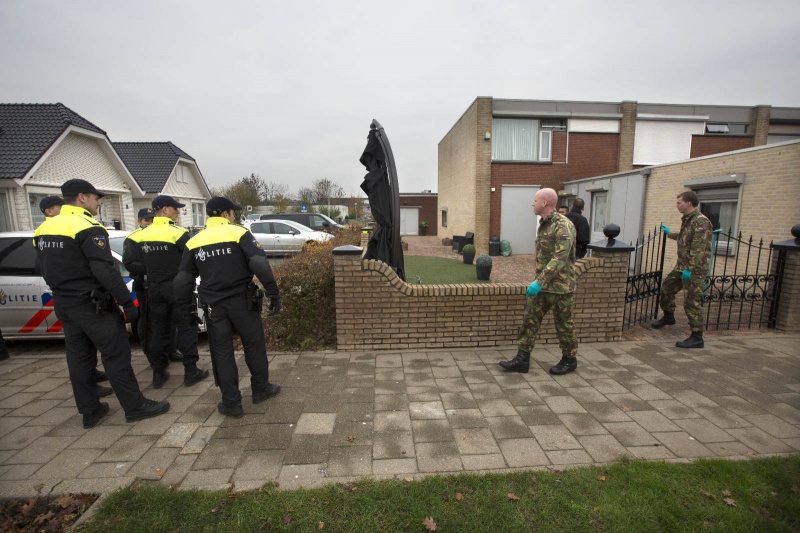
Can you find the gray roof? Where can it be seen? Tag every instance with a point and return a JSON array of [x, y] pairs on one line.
[[150, 164], [27, 131]]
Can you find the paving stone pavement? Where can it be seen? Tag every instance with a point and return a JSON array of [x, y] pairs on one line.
[[347, 415]]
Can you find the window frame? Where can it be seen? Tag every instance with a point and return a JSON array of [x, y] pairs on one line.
[[721, 189]]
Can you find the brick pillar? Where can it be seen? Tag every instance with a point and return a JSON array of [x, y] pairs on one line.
[[788, 316], [627, 134], [616, 257], [347, 286], [760, 124], [483, 176]]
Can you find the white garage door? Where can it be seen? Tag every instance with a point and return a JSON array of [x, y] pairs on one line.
[[409, 221], [518, 223]]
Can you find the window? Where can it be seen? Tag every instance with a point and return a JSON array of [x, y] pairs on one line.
[[444, 218], [37, 216], [720, 197], [516, 139], [198, 218], [281, 229], [721, 206], [599, 211], [5, 212], [725, 129], [259, 227], [17, 257]]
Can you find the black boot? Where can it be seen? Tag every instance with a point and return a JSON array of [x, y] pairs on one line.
[[194, 375], [159, 378], [520, 363], [667, 320], [695, 340], [565, 366]]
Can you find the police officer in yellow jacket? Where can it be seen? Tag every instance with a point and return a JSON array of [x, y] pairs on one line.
[[156, 251], [87, 293], [226, 256]]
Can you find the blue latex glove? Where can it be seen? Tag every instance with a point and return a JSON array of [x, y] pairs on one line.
[[686, 274], [533, 289], [665, 229]]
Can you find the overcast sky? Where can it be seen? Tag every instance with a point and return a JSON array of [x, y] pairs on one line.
[[287, 90]]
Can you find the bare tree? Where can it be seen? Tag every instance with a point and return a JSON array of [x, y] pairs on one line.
[[325, 190], [305, 195], [273, 191]]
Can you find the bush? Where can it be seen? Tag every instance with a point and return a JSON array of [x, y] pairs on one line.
[[468, 249], [483, 261], [306, 282]]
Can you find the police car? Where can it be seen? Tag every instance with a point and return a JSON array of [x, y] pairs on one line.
[[26, 302]]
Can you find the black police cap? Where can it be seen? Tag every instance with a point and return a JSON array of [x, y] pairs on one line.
[[50, 201], [75, 187], [218, 204], [166, 201], [146, 212]]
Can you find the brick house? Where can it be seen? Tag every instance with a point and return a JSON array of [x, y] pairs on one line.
[[415, 208], [500, 152], [44, 145], [163, 168]]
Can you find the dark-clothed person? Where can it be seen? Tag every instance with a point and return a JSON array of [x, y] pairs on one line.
[[145, 216], [226, 256], [87, 293], [156, 251], [689, 274], [583, 233], [50, 206], [552, 288]]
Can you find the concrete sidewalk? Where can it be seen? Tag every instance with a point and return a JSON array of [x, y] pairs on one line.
[[343, 416]]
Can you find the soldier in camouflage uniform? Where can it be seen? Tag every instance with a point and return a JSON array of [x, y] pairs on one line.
[[552, 288], [694, 253]]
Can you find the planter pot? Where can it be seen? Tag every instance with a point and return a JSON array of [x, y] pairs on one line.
[[468, 258], [483, 272], [423, 230]]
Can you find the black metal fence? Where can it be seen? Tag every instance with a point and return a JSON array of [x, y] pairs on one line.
[[644, 279], [743, 283]]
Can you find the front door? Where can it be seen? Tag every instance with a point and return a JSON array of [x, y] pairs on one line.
[[599, 215], [518, 223], [409, 221]]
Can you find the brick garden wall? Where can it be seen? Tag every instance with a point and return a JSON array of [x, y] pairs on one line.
[[376, 310]]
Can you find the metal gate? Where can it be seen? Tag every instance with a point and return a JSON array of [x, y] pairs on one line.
[[743, 284], [644, 279]]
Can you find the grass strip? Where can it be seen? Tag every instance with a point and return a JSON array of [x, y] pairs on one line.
[[706, 495], [438, 271]]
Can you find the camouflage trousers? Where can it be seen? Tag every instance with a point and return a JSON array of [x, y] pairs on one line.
[[692, 301], [535, 310]]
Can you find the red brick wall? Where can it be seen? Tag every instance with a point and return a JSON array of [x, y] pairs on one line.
[[590, 154], [716, 144], [428, 212]]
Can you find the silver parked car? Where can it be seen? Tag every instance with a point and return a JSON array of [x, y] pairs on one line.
[[282, 237], [26, 302]]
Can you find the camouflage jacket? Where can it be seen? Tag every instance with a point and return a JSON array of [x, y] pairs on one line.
[[555, 254], [694, 243]]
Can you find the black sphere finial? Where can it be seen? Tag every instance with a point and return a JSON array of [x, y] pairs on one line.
[[796, 231], [611, 231]]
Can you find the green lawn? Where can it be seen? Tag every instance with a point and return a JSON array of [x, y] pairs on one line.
[[707, 495], [437, 270]]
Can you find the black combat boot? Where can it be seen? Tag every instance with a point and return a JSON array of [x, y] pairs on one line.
[[667, 320], [565, 366], [695, 340], [194, 375], [159, 378], [520, 363]]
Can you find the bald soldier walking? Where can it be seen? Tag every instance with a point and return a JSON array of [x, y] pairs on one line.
[[552, 288]]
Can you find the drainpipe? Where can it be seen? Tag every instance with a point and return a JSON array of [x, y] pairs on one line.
[[645, 172]]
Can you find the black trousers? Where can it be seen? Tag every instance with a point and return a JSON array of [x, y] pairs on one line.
[[83, 330], [169, 326], [226, 316]]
